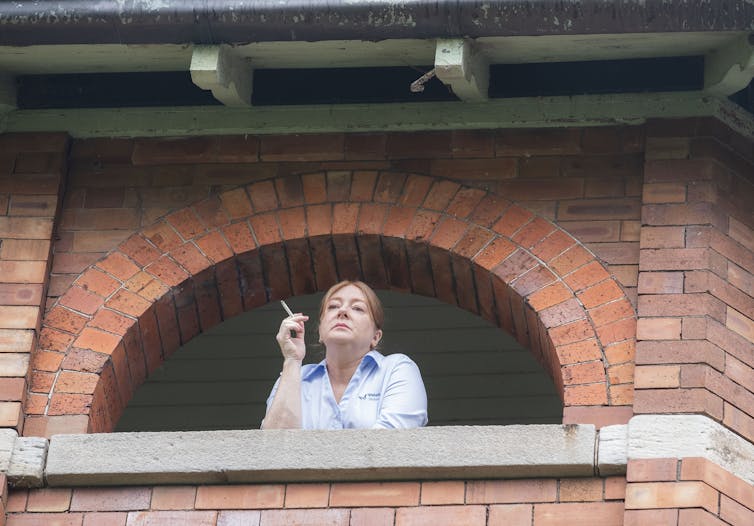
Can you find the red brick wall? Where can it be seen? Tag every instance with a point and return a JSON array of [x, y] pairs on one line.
[[686, 492], [32, 169], [540, 502], [696, 281], [576, 319], [670, 214]]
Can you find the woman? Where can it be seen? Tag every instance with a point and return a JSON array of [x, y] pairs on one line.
[[354, 386]]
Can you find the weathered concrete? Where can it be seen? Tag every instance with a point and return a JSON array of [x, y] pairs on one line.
[[612, 448], [27, 462], [7, 441], [685, 436], [294, 455]]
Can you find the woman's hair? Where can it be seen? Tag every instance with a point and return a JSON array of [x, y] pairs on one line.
[[373, 302]]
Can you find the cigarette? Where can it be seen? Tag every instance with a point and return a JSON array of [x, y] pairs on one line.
[[287, 309]]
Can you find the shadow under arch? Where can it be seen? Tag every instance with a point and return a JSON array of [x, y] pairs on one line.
[[300, 234]]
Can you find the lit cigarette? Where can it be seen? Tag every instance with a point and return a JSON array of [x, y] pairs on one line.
[[287, 309]]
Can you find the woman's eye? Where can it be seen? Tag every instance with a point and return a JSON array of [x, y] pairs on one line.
[[332, 306], [358, 308]]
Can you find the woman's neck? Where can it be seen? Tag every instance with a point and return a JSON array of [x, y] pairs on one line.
[[341, 365]]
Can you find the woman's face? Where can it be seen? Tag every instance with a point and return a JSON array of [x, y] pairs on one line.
[[347, 320]]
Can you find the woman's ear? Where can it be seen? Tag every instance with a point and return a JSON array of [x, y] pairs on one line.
[[376, 338]]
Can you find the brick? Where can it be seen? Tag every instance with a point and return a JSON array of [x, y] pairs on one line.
[[503, 514], [25, 249], [600, 294], [16, 500], [664, 193], [661, 282], [239, 518], [139, 250], [570, 260], [372, 517], [680, 305], [75, 382], [18, 317], [621, 352], [418, 145], [538, 142], [698, 517], [307, 495], [649, 495], [472, 143], [659, 401], [185, 518], [717, 477], [580, 490], [593, 231], [615, 488], [300, 147], [665, 517], [652, 470], [734, 513], [23, 271], [659, 376], [111, 518], [13, 389], [173, 497], [602, 513], [589, 394], [330, 517], [475, 169], [549, 296], [96, 340], [599, 209], [553, 245], [538, 190], [739, 324], [662, 237], [110, 499], [25, 228], [441, 516], [49, 500], [658, 329], [127, 303], [240, 497], [118, 265], [443, 492], [590, 274], [512, 220], [511, 491], [70, 404], [611, 312], [571, 333], [360, 494], [678, 214], [46, 519], [11, 414]]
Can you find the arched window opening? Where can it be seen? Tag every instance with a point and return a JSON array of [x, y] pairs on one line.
[[474, 372]]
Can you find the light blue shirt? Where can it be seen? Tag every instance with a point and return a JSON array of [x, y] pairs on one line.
[[384, 392]]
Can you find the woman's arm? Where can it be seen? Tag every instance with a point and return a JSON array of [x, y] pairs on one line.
[[404, 398], [285, 410]]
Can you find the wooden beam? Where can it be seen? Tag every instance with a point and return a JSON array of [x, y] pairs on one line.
[[460, 65], [730, 68], [227, 75]]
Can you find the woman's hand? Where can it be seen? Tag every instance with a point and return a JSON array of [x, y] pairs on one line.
[[292, 345]]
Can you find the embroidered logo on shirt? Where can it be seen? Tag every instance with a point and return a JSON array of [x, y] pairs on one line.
[[370, 396]]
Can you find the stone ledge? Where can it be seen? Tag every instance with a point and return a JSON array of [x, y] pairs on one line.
[[686, 436], [347, 455]]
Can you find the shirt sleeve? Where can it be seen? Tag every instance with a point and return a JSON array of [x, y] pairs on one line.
[[404, 398]]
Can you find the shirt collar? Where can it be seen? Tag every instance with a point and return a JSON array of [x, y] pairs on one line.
[[320, 368]]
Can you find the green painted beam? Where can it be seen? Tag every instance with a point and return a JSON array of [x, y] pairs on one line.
[[587, 110]]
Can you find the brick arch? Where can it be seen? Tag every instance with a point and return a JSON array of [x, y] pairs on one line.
[[192, 269]]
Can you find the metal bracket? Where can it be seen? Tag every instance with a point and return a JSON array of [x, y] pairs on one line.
[[460, 65], [731, 68], [228, 76]]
